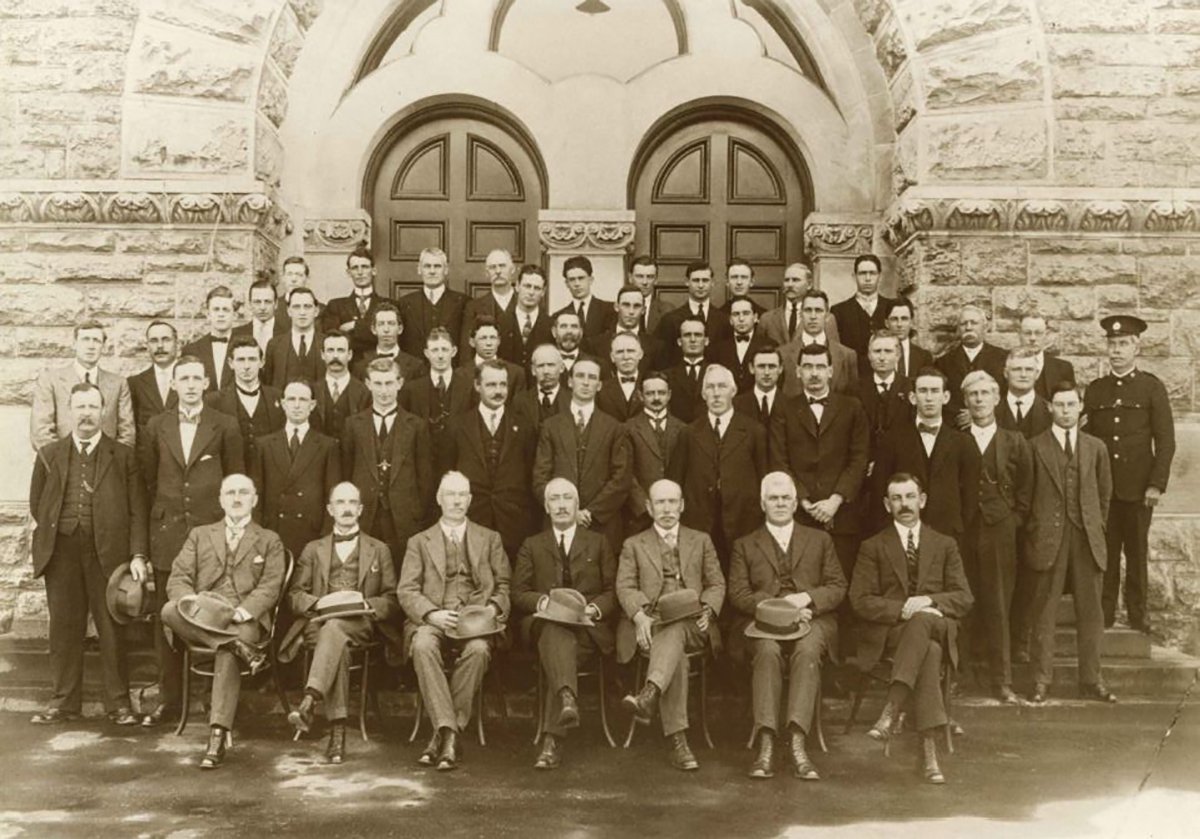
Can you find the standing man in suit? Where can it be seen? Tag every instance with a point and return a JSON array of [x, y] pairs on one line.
[[451, 567], [212, 348], [564, 556], [631, 309], [547, 397], [293, 274], [866, 312], [654, 437], [483, 344], [814, 315], [254, 405], [822, 440], [243, 565], [527, 323], [699, 305], [345, 560], [765, 399], [723, 456], [884, 396], [494, 446], [736, 351], [972, 353], [1034, 333], [782, 324], [296, 354], [990, 543], [339, 395], [1023, 409], [387, 454], [739, 279], [591, 450], [567, 331], [499, 301], [87, 499], [434, 305], [264, 323], [912, 358], [661, 561], [442, 392], [150, 390], [1072, 486], [1129, 410], [643, 274], [354, 314], [596, 316], [295, 468], [620, 397], [386, 327], [50, 417], [184, 456], [798, 564], [910, 592], [687, 373]]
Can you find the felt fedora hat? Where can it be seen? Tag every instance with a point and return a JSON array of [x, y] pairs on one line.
[[565, 606], [475, 622], [128, 600], [341, 604], [678, 605], [208, 612], [777, 619]]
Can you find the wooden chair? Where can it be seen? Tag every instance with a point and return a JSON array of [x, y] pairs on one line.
[[697, 669], [595, 667], [363, 654], [881, 674], [476, 708]]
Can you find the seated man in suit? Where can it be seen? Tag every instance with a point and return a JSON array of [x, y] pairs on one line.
[[660, 562], [814, 314], [241, 566], [347, 560], [254, 405], [150, 390], [386, 328], [912, 358], [50, 417], [737, 350], [785, 560], [654, 437], [565, 556], [909, 591], [296, 354], [1034, 333], [452, 567], [212, 348]]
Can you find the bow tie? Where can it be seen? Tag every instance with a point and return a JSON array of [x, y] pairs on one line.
[[821, 401], [629, 380], [214, 339], [245, 392], [570, 356], [742, 339], [923, 428], [345, 537]]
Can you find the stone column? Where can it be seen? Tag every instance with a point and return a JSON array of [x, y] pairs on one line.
[[329, 237], [832, 241], [603, 236]]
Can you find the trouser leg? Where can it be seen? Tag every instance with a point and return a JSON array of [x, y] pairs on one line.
[[804, 680], [227, 677], [927, 694], [766, 682], [1089, 616], [170, 660], [913, 644], [558, 651], [426, 653], [668, 669], [112, 651], [996, 554], [329, 672], [467, 679], [1048, 588], [66, 600]]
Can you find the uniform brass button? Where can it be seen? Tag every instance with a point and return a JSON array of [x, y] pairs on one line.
[[1116, 419]]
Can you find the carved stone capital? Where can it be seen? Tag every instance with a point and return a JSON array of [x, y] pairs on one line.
[[590, 236], [336, 235]]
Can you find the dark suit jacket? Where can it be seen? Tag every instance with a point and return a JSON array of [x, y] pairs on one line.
[[611, 398], [748, 405], [724, 352], [1054, 370], [529, 403], [1048, 508], [649, 462], [341, 310], [184, 494], [640, 580], [282, 364], [1011, 480], [486, 306], [420, 397], [411, 367], [420, 317], [1036, 420], [147, 403], [409, 481], [950, 475], [292, 493], [855, 325], [256, 569], [955, 364], [501, 500], [825, 460], [880, 588], [652, 350], [600, 316], [600, 471], [720, 481], [118, 503], [686, 402], [884, 411], [202, 349], [716, 327], [518, 350], [918, 359], [593, 574], [268, 415], [330, 417]]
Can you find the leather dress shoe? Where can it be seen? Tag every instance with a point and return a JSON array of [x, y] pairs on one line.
[[568, 715], [763, 763], [429, 755], [643, 704], [929, 760], [802, 767], [301, 717], [54, 716], [214, 755], [550, 757], [449, 755], [1098, 692], [1040, 692], [158, 716], [882, 729], [681, 754], [255, 657], [335, 752], [123, 716], [1006, 695]]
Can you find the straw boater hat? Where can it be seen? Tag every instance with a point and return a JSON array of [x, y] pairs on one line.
[[678, 605], [128, 600], [208, 611], [777, 619], [341, 604], [475, 622], [565, 606]]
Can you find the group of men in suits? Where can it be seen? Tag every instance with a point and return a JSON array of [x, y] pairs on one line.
[[626, 423]]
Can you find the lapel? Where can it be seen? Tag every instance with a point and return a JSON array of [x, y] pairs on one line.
[[174, 440], [393, 434], [688, 552], [104, 458], [366, 558], [705, 437], [216, 538], [654, 551], [368, 427], [1046, 445], [437, 549], [832, 408], [205, 431], [576, 556], [513, 424], [895, 552], [735, 436], [58, 467], [324, 563], [246, 545], [766, 544], [304, 454], [806, 417], [476, 428], [474, 539], [646, 431]]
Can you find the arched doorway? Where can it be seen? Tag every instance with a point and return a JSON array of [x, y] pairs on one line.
[[717, 184], [454, 176]]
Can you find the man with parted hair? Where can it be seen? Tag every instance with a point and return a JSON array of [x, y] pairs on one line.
[[338, 394], [354, 314], [814, 315], [699, 305], [866, 312], [499, 300], [782, 324], [528, 325], [739, 279], [264, 323], [1034, 333], [970, 354], [293, 273], [255, 406], [643, 274], [1023, 409], [150, 390], [50, 417], [386, 328], [454, 565], [596, 315], [212, 348], [296, 354], [433, 305]]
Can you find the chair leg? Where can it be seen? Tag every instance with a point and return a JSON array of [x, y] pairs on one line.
[[365, 678], [602, 675], [185, 691], [638, 676], [416, 729], [541, 704], [947, 696], [819, 721], [277, 678], [704, 701], [856, 701], [479, 707]]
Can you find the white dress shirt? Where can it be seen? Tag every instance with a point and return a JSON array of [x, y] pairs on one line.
[[187, 433], [89, 443], [263, 331], [579, 409], [163, 376], [455, 533], [971, 352], [249, 403], [770, 397], [929, 440], [818, 410], [1024, 403], [309, 336], [668, 536], [344, 549], [433, 295], [867, 304], [808, 340], [301, 430], [342, 383], [565, 537], [782, 534], [91, 374], [903, 531], [725, 420], [983, 435], [491, 417], [1061, 434], [220, 349]]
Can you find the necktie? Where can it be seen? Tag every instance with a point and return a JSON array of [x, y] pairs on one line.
[[792, 321], [383, 427], [491, 423], [910, 554], [1020, 412], [703, 314], [84, 448], [717, 428], [925, 428], [303, 346], [565, 559], [364, 302], [294, 443], [527, 329], [765, 408], [441, 386], [87, 377], [193, 419], [883, 388], [629, 380], [233, 535], [335, 391], [217, 340], [1067, 446], [671, 538], [580, 425], [547, 405], [903, 367], [345, 537], [694, 372]]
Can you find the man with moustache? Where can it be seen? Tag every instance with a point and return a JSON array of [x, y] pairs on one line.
[[781, 325], [253, 405], [338, 394], [595, 314], [685, 376], [654, 437], [814, 314], [241, 567], [500, 300], [213, 347], [88, 502], [568, 336], [150, 390], [865, 313], [347, 560], [264, 324], [565, 556], [295, 468], [913, 358], [386, 327], [620, 396], [354, 314], [527, 323], [435, 305], [735, 352], [698, 306], [184, 455], [782, 560], [548, 396], [972, 353], [643, 274], [631, 309], [483, 346], [296, 354]]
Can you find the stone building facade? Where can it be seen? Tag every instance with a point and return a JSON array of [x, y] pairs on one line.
[[1022, 154]]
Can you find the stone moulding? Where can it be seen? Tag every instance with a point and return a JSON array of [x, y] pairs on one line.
[[253, 209], [911, 217], [586, 235], [336, 234], [838, 238]]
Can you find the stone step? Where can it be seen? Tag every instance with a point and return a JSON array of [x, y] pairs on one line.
[[1165, 673], [1117, 643]]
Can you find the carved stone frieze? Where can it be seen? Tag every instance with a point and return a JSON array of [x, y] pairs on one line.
[[1171, 217], [1106, 217], [1041, 215], [838, 238], [586, 235], [336, 234], [974, 215]]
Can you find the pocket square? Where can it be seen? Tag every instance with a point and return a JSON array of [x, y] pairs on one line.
[[258, 560], [375, 568], [205, 457]]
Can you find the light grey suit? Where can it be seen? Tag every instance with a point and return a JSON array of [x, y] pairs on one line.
[[50, 418], [774, 324]]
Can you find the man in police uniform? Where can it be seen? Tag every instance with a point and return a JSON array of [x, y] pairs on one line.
[[1128, 409]]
